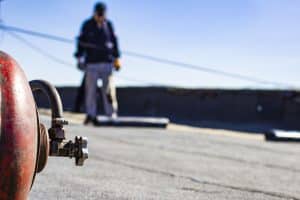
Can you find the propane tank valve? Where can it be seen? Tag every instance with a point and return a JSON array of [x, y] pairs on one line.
[[56, 142], [77, 149]]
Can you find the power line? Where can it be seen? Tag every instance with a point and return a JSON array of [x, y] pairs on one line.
[[204, 69], [151, 58], [62, 62], [40, 50], [36, 34]]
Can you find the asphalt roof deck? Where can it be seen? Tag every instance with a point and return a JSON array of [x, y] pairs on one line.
[[176, 163]]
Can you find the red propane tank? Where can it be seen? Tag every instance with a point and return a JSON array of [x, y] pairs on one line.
[[25, 143], [18, 133]]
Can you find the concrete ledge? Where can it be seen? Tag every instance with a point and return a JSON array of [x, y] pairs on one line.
[[225, 109]]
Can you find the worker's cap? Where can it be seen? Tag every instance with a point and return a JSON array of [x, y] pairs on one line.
[[100, 8]]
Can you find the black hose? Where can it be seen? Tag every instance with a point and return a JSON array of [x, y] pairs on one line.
[[52, 94]]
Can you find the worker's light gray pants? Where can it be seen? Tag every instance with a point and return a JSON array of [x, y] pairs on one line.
[[94, 72]]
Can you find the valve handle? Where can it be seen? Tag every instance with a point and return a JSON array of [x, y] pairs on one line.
[[82, 152]]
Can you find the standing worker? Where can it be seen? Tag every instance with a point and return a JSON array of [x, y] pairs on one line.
[[98, 53]]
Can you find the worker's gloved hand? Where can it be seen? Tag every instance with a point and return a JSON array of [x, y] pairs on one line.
[[81, 64], [117, 64]]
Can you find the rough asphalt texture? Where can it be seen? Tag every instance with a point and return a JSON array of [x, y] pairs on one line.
[[130, 163]]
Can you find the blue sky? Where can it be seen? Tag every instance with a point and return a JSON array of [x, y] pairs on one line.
[[257, 38]]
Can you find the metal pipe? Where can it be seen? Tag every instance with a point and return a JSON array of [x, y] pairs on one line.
[[52, 94]]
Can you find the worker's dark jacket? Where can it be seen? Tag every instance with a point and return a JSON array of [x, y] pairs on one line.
[[93, 43]]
